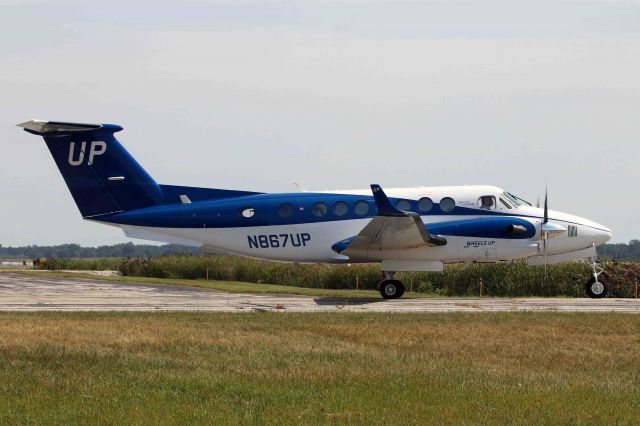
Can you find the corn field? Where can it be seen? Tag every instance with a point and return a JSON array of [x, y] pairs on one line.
[[506, 279]]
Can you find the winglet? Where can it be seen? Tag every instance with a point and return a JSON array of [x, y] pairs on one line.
[[383, 204]]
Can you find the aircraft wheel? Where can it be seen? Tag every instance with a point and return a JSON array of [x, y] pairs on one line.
[[596, 289], [391, 289]]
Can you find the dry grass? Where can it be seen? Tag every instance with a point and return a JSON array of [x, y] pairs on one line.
[[321, 368]]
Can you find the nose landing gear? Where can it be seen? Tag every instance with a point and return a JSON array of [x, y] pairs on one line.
[[596, 287]]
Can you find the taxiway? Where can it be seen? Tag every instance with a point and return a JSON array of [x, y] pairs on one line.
[[21, 292]]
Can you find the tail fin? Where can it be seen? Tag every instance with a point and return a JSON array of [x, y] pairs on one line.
[[102, 176]]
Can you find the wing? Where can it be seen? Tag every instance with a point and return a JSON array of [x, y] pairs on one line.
[[391, 229]]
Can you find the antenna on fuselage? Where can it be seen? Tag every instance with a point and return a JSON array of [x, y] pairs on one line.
[[300, 187]]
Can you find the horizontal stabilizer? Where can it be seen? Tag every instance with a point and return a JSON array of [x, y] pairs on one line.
[[42, 127]]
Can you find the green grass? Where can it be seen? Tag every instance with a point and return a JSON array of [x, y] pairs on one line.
[[270, 368]]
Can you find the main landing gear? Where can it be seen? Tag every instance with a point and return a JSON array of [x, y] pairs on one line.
[[596, 287], [389, 287]]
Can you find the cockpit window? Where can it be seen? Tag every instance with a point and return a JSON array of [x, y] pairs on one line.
[[505, 203], [487, 202], [522, 200], [514, 199]]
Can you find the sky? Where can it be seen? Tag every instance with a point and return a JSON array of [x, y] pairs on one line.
[[257, 95]]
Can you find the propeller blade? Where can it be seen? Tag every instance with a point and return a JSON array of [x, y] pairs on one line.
[[546, 206], [543, 231]]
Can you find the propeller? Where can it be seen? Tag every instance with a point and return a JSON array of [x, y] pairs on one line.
[[548, 230]]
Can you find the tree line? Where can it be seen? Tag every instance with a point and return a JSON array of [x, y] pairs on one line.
[[66, 251], [621, 251]]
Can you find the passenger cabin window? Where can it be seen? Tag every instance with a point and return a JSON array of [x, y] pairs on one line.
[[447, 204], [340, 208], [361, 208], [487, 202], [425, 204], [403, 205], [319, 209], [285, 210], [247, 212]]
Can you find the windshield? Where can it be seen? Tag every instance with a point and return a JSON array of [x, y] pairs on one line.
[[515, 199]]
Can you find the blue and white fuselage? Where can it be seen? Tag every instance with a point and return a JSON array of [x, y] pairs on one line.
[[473, 234], [406, 229]]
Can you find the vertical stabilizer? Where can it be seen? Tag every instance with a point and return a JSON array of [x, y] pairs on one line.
[[102, 176]]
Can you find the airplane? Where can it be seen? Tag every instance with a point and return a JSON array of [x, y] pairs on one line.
[[404, 229]]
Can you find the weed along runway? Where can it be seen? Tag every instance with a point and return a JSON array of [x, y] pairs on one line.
[[21, 292]]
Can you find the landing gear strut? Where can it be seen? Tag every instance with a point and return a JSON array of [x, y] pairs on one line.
[[389, 287], [596, 287]]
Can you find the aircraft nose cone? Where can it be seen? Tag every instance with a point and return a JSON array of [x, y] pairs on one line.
[[603, 235]]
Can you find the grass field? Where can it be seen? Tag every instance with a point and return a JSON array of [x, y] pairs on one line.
[[175, 368]]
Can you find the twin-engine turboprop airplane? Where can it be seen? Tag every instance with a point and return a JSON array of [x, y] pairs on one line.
[[406, 229]]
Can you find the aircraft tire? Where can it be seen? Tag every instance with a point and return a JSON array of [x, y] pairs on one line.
[[401, 289], [391, 289], [596, 289]]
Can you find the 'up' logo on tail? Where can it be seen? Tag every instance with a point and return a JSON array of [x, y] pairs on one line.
[[96, 148]]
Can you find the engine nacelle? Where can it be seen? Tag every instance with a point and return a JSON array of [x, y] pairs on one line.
[[516, 229]]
